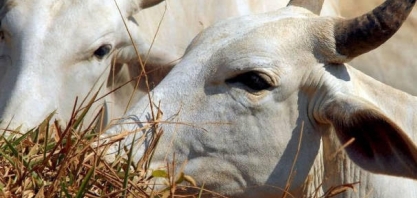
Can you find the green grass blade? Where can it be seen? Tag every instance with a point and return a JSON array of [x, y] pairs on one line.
[[8, 158], [129, 162], [64, 189], [46, 141], [84, 184], [17, 141], [11, 147]]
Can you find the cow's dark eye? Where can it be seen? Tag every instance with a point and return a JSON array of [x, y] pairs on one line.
[[251, 80], [102, 51]]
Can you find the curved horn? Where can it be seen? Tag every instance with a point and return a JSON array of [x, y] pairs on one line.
[[313, 5], [365, 33]]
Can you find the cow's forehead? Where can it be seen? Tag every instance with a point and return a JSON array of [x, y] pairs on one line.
[[238, 29], [45, 22], [263, 42], [55, 9], [48, 12], [267, 36]]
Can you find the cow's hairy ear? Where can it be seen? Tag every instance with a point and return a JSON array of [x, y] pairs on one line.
[[156, 62], [379, 145]]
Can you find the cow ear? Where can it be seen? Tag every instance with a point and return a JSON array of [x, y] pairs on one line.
[[379, 145], [157, 63]]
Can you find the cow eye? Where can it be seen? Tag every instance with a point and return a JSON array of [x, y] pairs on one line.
[[102, 51], [251, 80]]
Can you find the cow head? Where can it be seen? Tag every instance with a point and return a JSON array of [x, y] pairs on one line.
[[250, 90], [54, 51]]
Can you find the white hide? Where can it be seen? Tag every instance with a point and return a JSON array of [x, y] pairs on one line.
[[46, 56], [242, 142]]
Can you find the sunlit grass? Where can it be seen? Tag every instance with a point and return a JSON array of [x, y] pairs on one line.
[[59, 161]]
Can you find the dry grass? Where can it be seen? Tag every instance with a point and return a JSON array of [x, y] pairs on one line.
[[59, 161]]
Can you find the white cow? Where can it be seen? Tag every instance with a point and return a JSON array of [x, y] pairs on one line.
[[53, 51], [262, 101]]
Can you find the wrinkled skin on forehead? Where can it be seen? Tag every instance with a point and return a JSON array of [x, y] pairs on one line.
[[250, 90]]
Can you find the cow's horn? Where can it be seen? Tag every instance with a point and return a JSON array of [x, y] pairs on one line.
[[312, 5], [365, 33]]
